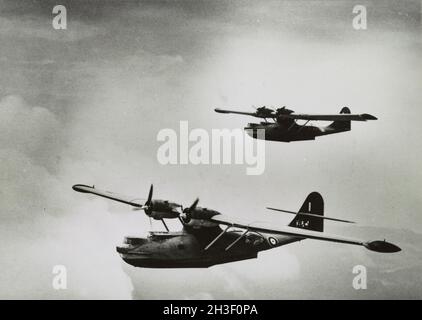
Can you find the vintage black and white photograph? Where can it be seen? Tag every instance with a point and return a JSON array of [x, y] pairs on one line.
[[210, 150]]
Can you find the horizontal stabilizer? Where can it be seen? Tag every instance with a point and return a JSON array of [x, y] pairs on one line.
[[311, 215]]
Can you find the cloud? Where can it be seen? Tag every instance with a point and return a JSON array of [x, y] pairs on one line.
[[41, 225], [31, 130]]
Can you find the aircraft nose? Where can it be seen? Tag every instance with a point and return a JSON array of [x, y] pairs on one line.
[[123, 249], [128, 249]]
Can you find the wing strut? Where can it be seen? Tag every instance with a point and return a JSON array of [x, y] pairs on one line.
[[292, 125], [216, 238], [303, 126], [237, 240], [165, 225]]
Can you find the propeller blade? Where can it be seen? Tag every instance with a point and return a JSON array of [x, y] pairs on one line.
[[193, 206], [149, 196]]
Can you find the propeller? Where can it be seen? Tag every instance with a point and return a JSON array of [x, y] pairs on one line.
[[282, 111], [264, 112], [187, 212], [147, 206], [159, 209]]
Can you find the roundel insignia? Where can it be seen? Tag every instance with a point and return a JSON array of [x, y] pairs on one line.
[[272, 241]]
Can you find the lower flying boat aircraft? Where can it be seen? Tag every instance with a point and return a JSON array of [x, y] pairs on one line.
[[203, 243], [286, 129]]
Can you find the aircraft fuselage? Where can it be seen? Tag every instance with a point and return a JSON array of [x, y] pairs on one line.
[[186, 249], [286, 131]]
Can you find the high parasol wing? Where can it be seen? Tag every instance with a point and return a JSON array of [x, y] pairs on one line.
[[329, 117], [378, 246]]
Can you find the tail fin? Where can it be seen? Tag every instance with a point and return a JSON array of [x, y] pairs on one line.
[[342, 125], [313, 204]]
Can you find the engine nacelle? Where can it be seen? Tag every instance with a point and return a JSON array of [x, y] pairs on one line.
[[200, 223], [163, 209], [199, 217]]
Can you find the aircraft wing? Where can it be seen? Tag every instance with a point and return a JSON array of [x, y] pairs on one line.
[[107, 194], [252, 114], [330, 117], [378, 246]]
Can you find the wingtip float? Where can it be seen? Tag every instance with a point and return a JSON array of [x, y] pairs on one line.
[[381, 246], [83, 188]]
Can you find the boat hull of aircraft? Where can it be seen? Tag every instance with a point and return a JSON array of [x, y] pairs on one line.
[[186, 249], [295, 132]]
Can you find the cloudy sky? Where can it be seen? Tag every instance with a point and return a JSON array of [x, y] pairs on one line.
[[85, 104]]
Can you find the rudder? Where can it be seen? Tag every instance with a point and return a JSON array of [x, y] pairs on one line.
[[313, 204]]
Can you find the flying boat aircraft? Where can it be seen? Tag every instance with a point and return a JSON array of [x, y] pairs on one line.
[[284, 126], [209, 238]]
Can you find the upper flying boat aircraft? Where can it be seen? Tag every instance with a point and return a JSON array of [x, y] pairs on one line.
[[203, 243], [284, 126]]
